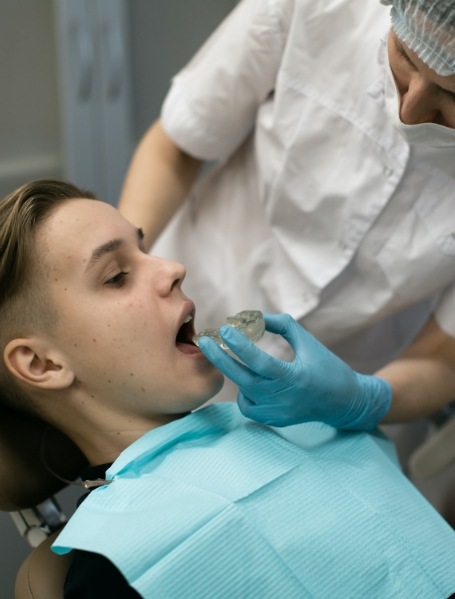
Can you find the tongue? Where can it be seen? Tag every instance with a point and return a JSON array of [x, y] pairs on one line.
[[187, 348]]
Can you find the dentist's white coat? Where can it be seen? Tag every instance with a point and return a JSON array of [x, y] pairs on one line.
[[319, 207]]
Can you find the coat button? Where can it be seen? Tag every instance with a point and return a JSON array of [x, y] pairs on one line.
[[387, 172]]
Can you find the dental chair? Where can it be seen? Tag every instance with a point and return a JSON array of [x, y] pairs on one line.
[[26, 491]]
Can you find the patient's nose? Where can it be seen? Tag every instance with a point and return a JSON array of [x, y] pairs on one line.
[[170, 275]]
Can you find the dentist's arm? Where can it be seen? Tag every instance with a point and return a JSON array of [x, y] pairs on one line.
[[158, 180], [423, 377], [317, 385]]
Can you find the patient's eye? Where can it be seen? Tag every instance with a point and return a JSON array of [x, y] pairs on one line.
[[117, 280]]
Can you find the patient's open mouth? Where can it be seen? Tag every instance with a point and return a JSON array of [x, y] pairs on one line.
[[184, 339]]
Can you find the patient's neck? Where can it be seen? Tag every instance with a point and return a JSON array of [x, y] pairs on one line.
[[102, 435]]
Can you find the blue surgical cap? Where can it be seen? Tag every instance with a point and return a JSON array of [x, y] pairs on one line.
[[428, 28]]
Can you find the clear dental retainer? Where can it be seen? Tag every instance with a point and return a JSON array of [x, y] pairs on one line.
[[248, 322]]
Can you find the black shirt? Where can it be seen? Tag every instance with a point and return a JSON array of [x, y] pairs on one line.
[[93, 576]]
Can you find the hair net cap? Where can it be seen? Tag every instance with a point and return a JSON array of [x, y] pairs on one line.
[[428, 28]]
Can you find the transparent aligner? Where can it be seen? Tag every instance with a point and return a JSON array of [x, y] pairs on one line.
[[248, 322]]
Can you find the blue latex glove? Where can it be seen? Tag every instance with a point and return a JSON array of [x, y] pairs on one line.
[[316, 385]]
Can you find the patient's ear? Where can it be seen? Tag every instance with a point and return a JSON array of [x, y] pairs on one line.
[[34, 362]]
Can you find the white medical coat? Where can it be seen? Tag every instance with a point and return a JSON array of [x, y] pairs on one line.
[[318, 207]]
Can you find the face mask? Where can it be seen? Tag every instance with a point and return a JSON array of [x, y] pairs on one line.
[[426, 134]]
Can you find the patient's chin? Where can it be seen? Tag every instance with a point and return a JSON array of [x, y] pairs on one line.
[[218, 383]]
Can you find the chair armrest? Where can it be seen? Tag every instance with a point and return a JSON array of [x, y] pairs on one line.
[[42, 575]]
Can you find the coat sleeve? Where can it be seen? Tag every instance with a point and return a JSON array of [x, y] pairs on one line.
[[213, 102]]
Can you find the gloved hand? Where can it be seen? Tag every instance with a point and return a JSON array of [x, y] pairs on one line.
[[316, 385]]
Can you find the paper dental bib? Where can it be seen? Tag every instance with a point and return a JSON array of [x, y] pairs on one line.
[[214, 505]]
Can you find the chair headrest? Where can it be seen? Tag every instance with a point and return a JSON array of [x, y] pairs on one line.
[[24, 479]]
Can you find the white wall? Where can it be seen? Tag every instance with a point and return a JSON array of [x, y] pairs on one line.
[[164, 35], [29, 124]]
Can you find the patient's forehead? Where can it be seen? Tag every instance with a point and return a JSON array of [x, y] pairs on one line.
[[79, 214], [75, 227]]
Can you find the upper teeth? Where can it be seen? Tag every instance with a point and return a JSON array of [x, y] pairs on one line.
[[188, 319]]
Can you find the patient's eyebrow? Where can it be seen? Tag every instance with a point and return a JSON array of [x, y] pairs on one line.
[[109, 247], [106, 248]]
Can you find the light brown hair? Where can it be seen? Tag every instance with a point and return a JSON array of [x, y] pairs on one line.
[[25, 306]]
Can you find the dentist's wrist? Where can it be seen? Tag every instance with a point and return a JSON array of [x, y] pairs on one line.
[[371, 405]]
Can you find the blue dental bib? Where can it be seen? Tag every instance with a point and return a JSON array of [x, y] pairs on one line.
[[215, 505]]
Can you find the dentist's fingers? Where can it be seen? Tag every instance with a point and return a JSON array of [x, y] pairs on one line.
[[264, 413], [257, 360], [240, 374], [287, 327]]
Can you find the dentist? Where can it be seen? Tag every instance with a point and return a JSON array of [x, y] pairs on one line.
[[332, 198]]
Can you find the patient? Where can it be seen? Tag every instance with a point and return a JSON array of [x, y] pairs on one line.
[[96, 340]]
